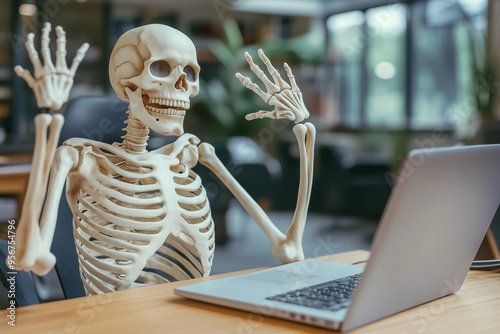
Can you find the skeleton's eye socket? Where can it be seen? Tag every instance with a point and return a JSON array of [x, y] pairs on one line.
[[190, 73], [160, 68]]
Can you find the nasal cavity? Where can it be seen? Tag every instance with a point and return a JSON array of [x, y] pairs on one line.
[[181, 83]]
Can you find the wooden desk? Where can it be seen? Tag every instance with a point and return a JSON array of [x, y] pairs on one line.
[[474, 309], [14, 175], [13, 179]]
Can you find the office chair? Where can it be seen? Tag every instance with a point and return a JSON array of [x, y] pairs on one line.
[[98, 118], [25, 292], [361, 190]]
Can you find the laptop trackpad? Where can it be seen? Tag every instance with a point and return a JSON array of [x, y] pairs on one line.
[[277, 277]]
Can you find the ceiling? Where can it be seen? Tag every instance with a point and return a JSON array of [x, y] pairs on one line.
[[308, 8], [278, 7]]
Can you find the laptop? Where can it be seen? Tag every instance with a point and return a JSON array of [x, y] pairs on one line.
[[438, 213]]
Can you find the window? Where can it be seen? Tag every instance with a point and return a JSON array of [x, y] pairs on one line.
[[404, 65], [442, 73], [385, 98], [346, 49]]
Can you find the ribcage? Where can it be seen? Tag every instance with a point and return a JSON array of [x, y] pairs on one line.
[[188, 250], [136, 223]]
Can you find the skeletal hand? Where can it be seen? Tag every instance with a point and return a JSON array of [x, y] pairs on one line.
[[287, 98], [51, 84]]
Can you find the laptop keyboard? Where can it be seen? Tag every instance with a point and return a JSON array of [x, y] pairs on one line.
[[333, 295]]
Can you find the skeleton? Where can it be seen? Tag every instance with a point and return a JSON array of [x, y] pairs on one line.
[[143, 217]]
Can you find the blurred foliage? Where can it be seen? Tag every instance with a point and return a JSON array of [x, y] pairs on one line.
[[483, 71], [225, 100]]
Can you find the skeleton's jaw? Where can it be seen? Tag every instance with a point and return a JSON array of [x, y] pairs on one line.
[[164, 116]]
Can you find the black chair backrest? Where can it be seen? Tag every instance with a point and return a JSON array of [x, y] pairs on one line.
[[99, 118], [22, 282]]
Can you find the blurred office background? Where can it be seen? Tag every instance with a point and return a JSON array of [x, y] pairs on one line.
[[379, 78]]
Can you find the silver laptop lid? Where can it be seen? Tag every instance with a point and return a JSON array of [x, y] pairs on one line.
[[432, 227]]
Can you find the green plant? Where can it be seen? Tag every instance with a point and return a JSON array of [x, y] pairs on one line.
[[224, 100], [483, 71]]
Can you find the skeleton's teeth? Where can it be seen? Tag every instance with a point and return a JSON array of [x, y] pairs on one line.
[[173, 108], [169, 103], [166, 111]]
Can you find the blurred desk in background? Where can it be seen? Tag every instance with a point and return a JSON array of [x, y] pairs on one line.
[[14, 174]]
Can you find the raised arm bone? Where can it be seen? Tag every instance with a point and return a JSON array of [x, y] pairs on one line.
[[209, 158], [306, 134], [34, 240], [285, 248], [288, 102], [51, 85]]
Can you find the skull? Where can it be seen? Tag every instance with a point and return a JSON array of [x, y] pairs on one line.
[[154, 67]]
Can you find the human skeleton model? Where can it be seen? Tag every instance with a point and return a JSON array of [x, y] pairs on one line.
[[143, 217]]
